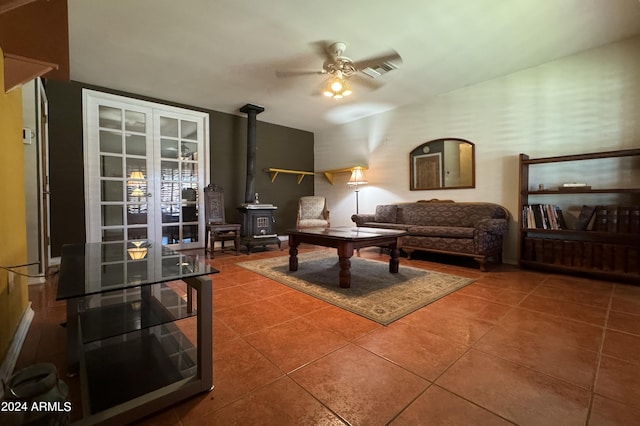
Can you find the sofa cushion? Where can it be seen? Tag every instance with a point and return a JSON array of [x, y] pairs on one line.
[[448, 214], [312, 223], [442, 231], [386, 213], [448, 245]]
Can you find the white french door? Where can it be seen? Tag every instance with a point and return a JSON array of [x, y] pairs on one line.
[[145, 170]]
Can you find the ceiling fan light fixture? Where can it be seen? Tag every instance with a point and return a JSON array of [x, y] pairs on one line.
[[339, 68], [336, 88], [336, 85]]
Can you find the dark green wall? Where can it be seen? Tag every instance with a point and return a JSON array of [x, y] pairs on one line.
[[276, 146]]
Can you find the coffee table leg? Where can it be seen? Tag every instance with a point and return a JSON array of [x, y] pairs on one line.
[[345, 252], [394, 261], [345, 272], [293, 254]]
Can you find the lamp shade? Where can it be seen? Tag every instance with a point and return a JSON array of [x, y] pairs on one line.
[[336, 87], [137, 252], [357, 176]]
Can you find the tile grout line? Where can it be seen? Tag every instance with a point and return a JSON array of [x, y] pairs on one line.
[[433, 382], [599, 359], [470, 347]]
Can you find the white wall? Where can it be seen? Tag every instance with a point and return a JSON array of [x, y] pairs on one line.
[[588, 102]]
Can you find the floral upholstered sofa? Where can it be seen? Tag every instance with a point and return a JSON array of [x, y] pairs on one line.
[[468, 229]]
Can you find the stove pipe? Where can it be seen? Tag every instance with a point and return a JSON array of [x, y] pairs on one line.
[[250, 188]]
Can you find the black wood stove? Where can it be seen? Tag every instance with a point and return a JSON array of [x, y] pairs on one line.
[[257, 218]]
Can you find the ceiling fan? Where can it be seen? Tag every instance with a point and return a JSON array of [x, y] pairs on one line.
[[342, 68]]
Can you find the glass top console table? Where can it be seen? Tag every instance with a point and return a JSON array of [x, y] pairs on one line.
[[136, 334]]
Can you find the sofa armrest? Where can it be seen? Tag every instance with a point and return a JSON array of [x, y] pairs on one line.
[[361, 219], [493, 226], [488, 236]]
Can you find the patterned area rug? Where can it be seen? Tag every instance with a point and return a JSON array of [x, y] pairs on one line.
[[375, 293]]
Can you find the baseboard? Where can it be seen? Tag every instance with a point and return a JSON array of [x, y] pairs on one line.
[[510, 260], [9, 362], [36, 280]]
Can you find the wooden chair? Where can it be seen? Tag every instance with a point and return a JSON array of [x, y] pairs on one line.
[[312, 213], [215, 222]]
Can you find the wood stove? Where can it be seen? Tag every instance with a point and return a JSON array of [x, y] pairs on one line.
[[257, 225], [257, 219]]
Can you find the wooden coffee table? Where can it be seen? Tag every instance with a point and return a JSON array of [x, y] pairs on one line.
[[346, 240]]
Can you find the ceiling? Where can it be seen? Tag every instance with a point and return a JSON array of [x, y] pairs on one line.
[[223, 54]]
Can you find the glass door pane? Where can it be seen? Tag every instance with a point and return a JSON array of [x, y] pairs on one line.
[[181, 179]]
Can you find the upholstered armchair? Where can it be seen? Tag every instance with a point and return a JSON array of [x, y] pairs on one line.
[[312, 213]]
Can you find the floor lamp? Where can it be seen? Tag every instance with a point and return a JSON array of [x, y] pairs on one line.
[[357, 178]]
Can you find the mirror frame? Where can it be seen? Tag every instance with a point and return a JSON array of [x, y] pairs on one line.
[[420, 150]]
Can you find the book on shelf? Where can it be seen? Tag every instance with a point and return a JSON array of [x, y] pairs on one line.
[[568, 248], [633, 260], [606, 219], [620, 258], [623, 219], [578, 187], [630, 217], [543, 216], [529, 249], [587, 254], [584, 218], [548, 251], [577, 254], [615, 218]]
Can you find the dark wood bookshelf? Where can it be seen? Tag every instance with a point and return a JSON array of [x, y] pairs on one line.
[[594, 253]]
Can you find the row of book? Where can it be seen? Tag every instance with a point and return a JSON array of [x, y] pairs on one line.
[[615, 218], [543, 216], [609, 218], [616, 258]]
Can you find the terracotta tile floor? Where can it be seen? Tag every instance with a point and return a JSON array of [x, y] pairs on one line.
[[514, 347]]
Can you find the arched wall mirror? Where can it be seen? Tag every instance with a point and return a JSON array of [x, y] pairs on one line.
[[443, 164]]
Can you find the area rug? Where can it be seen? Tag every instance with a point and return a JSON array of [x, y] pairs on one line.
[[374, 293]]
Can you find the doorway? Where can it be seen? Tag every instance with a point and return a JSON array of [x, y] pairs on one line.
[[36, 178], [145, 170], [427, 171]]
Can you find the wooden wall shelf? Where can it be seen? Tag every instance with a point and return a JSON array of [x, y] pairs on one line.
[[301, 174], [8, 5], [329, 173], [19, 70], [34, 33], [274, 173]]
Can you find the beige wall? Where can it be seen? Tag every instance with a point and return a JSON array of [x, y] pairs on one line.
[[13, 240], [588, 102]]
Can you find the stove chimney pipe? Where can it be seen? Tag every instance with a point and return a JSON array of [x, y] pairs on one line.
[[250, 188]]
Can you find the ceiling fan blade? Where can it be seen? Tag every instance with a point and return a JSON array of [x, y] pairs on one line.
[[369, 83], [378, 65], [295, 73]]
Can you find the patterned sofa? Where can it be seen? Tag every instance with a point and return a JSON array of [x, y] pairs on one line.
[[467, 229]]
